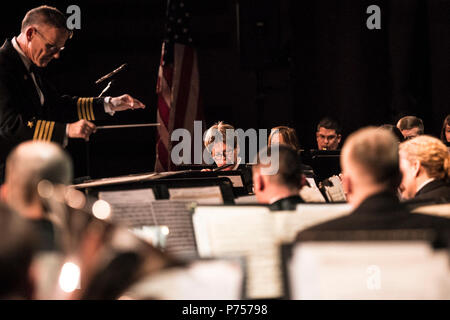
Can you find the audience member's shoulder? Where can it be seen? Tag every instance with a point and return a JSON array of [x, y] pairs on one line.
[[438, 190], [431, 220]]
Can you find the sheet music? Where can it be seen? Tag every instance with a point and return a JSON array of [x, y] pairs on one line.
[[246, 200], [311, 194], [201, 195], [130, 207], [335, 193], [256, 233], [368, 270], [312, 214], [177, 216], [311, 182], [226, 231], [201, 280], [137, 208]]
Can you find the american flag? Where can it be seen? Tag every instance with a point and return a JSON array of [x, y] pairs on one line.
[[178, 82]]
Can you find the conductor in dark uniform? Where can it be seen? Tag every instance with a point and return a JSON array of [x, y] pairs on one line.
[[30, 108]]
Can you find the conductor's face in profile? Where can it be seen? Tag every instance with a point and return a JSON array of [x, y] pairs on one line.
[[44, 43]]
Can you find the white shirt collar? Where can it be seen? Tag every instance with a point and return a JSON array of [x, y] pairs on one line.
[[424, 184], [26, 61]]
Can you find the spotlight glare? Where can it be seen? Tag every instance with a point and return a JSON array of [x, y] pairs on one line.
[[69, 278], [165, 230], [101, 209], [75, 199]]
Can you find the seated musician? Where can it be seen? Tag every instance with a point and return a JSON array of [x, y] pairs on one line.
[[328, 134], [410, 127], [371, 176], [279, 189], [425, 165], [284, 135], [287, 136], [223, 151]]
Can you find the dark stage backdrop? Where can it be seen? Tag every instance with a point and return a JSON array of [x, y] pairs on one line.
[[262, 63]]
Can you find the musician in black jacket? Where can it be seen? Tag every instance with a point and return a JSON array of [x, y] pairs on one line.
[[30, 108], [425, 164], [371, 176], [280, 187]]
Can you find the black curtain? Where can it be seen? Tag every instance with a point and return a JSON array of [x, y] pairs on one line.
[[370, 77]]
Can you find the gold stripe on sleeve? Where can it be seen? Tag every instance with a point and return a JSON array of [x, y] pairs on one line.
[[36, 130], [78, 108], [47, 125], [50, 132], [41, 130], [91, 104], [83, 108]]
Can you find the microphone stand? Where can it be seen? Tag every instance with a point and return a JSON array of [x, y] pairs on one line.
[[106, 88], [88, 156]]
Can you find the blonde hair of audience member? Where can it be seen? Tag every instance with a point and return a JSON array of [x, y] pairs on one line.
[[221, 150], [27, 165], [284, 135], [421, 159], [410, 126], [285, 183], [369, 164]]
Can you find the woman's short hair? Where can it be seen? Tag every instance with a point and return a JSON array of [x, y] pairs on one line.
[[218, 133], [288, 134]]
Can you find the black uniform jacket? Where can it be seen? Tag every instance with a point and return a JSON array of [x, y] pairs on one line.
[[22, 117], [435, 190], [381, 211]]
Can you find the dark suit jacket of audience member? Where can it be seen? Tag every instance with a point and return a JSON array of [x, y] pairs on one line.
[[382, 211], [288, 203], [435, 190]]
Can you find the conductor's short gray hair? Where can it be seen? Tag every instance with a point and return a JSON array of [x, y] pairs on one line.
[[45, 15]]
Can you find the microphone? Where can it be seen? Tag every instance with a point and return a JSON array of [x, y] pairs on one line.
[[112, 73]]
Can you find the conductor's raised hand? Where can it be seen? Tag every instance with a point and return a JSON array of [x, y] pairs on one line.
[[81, 129], [125, 102]]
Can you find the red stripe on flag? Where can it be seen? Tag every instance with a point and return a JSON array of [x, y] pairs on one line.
[[184, 87], [178, 101], [164, 111]]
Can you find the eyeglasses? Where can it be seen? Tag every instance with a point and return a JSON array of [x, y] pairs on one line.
[[49, 45], [224, 155]]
